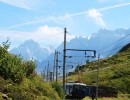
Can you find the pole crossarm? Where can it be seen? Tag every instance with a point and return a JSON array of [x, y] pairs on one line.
[[94, 51], [80, 50]]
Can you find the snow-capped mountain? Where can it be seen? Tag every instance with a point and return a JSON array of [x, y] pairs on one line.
[[105, 42], [32, 50], [76, 43]]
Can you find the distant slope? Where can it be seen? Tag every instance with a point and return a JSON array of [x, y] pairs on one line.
[[114, 71]]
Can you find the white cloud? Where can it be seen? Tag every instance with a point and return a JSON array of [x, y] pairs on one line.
[[97, 16], [25, 4], [101, 9], [58, 20], [38, 20], [44, 35], [114, 6], [94, 13], [18, 3], [48, 33]]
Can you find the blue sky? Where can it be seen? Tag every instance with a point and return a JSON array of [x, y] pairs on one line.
[[44, 20]]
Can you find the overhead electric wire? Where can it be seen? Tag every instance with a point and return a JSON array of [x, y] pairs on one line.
[[69, 62], [105, 46], [113, 43], [84, 59], [73, 56], [113, 49], [77, 56]]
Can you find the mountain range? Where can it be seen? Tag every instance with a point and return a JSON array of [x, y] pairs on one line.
[[32, 50], [105, 42]]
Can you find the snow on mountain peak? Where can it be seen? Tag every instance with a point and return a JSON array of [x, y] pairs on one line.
[[31, 49]]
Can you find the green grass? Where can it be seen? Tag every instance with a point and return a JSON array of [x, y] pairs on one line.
[[120, 97]]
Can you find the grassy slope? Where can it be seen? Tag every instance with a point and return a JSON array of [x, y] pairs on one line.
[[29, 89], [120, 97], [114, 71]]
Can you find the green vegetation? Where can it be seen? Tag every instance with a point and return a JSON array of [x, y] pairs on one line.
[[31, 89], [120, 97], [114, 71], [20, 81], [58, 89]]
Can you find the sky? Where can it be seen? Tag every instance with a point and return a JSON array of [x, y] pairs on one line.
[[44, 20]]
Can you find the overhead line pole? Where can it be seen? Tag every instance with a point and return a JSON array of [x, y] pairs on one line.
[[97, 78], [47, 72], [64, 58], [57, 66], [54, 66]]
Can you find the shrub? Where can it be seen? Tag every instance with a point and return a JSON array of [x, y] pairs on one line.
[[58, 88], [29, 67]]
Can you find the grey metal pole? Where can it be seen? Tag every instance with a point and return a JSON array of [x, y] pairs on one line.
[[50, 76], [97, 78], [64, 58], [47, 72], [54, 65], [57, 66]]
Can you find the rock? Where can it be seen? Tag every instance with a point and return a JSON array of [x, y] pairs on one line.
[[4, 96]]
